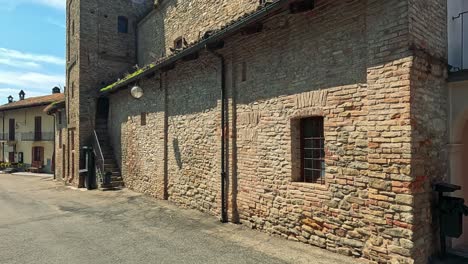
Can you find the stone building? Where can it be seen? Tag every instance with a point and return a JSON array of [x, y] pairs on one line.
[[322, 121]]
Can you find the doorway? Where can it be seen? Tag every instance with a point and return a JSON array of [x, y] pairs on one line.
[[102, 112]]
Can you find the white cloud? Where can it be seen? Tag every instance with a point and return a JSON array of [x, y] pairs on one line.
[[56, 22], [5, 92], [19, 64], [30, 80], [15, 55], [60, 4]]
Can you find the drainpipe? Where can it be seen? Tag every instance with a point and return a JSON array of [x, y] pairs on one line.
[[54, 155], [3, 135], [223, 135]]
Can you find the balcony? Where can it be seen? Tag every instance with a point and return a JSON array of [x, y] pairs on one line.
[[5, 137], [35, 136]]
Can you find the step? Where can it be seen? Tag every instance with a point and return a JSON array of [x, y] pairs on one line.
[[114, 185]]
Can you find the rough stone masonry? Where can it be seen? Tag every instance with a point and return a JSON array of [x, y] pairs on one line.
[[374, 70]]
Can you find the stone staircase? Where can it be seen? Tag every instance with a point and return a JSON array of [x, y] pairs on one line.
[[110, 163]]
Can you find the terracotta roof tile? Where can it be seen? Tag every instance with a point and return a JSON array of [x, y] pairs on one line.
[[33, 101]]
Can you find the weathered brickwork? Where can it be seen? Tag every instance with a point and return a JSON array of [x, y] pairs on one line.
[[97, 54], [429, 117], [60, 145], [188, 19], [370, 68]]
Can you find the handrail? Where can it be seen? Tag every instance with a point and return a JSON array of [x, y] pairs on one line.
[[99, 156], [98, 144]]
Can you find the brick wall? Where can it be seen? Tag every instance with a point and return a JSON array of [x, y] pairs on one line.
[[367, 67], [189, 19], [429, 117], [60, 146]]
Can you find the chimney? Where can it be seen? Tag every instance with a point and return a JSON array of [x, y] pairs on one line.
[[21, 95], [10, 99], [55, 90]]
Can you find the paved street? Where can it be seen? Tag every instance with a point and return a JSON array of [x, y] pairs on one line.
[[42, 221]]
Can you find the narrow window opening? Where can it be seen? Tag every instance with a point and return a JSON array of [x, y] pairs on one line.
[[72, 140], [244, 72], [38, 128], [143, 119], [73, 89], [60, 138], [73, 27], [312, 148], [123, 24]]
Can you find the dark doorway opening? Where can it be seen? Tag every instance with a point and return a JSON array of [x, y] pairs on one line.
[[102, 112]]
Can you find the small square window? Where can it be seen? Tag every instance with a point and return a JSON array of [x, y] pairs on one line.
[[122, 24], [179, 43]]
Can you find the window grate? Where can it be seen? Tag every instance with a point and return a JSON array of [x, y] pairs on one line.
[[312, 150]]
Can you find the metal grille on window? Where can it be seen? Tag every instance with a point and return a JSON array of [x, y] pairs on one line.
[[313, 150]]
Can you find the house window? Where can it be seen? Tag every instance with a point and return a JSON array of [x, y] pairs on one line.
[[12, 130], [73, 27], [312, 150], [143, 119], [59, 117], [73, 89], [123, 24], [38, 128]]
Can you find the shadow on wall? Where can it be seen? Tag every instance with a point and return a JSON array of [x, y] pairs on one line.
[[177, 156]]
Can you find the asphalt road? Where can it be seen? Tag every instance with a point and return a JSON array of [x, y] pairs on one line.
[[41, 221]]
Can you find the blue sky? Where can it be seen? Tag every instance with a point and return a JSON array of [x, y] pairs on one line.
[[32, 47]]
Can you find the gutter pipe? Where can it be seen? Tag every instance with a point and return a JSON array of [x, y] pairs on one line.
[[3, 135], [224, 217]]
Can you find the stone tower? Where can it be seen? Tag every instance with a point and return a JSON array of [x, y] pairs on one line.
[[101, 46]]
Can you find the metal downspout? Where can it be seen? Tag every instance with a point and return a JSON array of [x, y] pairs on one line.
[[54, 151], [3, 143], [223, 136]]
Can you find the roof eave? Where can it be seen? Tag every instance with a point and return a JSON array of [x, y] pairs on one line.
[[216, 37]]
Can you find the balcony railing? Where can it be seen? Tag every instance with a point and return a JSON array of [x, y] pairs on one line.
[[8, 137], [34, 136]]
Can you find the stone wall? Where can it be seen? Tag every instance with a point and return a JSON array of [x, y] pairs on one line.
[[429, 117], [97, 55], [189, 19], [60, 146], [359, 64]]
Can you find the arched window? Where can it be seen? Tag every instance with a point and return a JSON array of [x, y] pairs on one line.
[[123, 24]]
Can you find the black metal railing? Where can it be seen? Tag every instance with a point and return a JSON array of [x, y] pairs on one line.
[[462, 61], [37, 136], [99, 157], [9, 137]]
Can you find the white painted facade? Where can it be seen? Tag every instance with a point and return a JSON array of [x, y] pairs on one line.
[[24, 136]]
